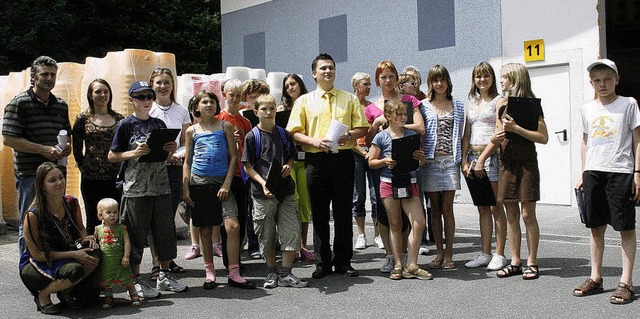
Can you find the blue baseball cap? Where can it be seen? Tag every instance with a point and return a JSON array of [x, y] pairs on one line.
[[139, 86]]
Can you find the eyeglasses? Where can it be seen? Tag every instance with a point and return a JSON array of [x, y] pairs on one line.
[[144, 97]]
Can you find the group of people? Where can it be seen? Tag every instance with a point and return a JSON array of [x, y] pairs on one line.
[[267, 182]]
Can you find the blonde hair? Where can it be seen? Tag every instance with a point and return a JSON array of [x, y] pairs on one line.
[[518, 75], [265, 99], [392, 107], [232, 85], [105, 203]]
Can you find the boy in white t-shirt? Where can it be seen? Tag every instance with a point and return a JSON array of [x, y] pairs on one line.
[[611, 175]]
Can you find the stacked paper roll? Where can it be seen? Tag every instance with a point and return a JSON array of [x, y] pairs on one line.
[[185, 88], [274, 79], [258, 74], [68, 87], [17, 82], [237, 72], [213, 86]]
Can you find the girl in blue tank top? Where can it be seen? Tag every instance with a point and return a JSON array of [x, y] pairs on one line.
[[210, 161]]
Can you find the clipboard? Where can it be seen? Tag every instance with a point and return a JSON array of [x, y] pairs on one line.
[[525, 111], [582, 206], [253, 119], [480, 190], [156, 141], [275, 182], [402, 152]]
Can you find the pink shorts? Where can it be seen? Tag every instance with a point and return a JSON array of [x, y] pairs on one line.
[[386, 190]]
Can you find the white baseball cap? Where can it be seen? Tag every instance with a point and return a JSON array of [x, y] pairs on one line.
[[606, 62]]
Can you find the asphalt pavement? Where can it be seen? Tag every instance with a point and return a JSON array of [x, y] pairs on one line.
[[456, 293]]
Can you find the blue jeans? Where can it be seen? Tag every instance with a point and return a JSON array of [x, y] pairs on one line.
[[26, 193], [360, 187]]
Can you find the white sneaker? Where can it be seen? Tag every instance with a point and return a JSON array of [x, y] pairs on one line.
[[144, 290], [291, 281], [497, 262], [479, 261], [424, 250], [379, 242], [168, 283], [271, 281], [361, 242], [388, 264]]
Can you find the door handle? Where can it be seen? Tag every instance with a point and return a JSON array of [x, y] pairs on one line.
[[564, 134]]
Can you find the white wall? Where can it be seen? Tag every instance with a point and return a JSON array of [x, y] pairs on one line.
[[571, 36], [227, 6]]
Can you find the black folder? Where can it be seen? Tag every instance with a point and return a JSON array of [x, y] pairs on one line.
[[480, 189], [402, 152], [525, 111], [282, 118], [249, 115], [275, 183], [156, 141]]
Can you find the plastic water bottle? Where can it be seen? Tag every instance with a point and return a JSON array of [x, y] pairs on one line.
[[62, 143]]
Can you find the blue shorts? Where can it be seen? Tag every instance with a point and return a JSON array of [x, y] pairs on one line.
[[491, 165]]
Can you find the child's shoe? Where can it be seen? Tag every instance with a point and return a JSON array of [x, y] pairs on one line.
[[168, 283], [271, 281], [107, 303], [291, 281], [135, 300], [143, 289], [194, 252]]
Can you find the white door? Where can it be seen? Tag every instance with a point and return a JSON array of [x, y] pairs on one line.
[[551, 84]]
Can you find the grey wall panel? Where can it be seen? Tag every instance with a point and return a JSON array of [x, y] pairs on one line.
[[254, 50], [332, 35]]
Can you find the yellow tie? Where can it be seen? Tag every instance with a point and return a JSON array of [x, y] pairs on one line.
[[325, 120]]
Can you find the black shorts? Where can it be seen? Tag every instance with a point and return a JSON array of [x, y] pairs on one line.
[[609, 200], [208, 209]]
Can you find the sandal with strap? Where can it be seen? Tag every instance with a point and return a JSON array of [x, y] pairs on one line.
[[174, 268], [135, 300], [531, 272], [396, 273], [509, 270], [622, 295], [435, 264], [107, 303], [588, 287], [415, 272], [155, 272]]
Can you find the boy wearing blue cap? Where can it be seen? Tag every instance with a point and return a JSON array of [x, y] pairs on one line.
[[611, 176], [146, 197]]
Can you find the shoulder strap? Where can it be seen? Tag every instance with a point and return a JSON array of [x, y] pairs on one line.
[[256, 138], [285, 142]]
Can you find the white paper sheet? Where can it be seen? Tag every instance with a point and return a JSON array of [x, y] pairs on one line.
[[334, 132]]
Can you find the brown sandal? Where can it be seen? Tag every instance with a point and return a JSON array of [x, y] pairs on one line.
[[396, 273], [135, 300], [531, 272], [622, 295], [588, 287]]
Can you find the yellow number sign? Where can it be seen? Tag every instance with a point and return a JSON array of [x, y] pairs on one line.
[[534, 50]]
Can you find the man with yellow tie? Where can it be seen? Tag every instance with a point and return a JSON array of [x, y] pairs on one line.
[[329, 174]]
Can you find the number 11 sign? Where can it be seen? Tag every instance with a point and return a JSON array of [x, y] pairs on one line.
[[534, 50]]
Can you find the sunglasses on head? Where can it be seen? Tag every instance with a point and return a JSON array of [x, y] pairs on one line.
[[143, 97], [161, 70]]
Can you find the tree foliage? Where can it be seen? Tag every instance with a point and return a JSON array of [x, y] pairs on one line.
[[71, 30]]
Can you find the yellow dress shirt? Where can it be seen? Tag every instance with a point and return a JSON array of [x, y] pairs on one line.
[[306, 115]]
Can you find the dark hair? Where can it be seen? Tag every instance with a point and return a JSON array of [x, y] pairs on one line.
[[159, 71], [90, 96], [39, 205], [438, 72], [321, 56], [193, 102], [42, 60], [287, 101], [483, 68]]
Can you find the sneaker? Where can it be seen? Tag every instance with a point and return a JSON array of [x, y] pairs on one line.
[[479, 261], [217, 249], [194, 252], [168, 283], [388, 265], [291, 281], [379, 242], [257, 255], [361, 242], [271, 281], [497, 262], [144, 290], [424, 250]]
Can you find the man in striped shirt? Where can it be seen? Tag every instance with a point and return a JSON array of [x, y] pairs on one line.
[[32, 121]]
